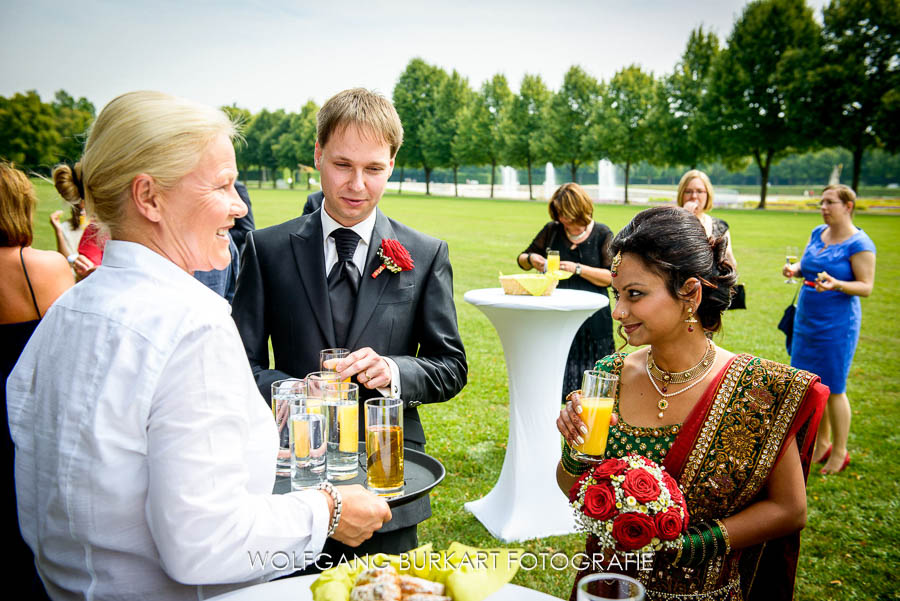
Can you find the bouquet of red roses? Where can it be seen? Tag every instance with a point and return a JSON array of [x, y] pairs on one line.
[[630, 504]]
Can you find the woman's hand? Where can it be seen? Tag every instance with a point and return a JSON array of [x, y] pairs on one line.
[[825, 281], [569, 421], [537, 261], [55, 219], [791, 271], [362, 513], [567, 266]]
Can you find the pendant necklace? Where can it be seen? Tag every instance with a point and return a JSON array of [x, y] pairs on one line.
[[707, 362]]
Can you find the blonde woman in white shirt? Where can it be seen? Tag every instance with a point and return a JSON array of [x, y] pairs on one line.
[[695, 193], [145, 458]]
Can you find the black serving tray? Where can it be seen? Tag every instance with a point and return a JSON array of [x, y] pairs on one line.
[[421, 473]]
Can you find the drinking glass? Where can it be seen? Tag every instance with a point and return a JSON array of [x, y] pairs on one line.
[[598, 389], [315, 384], [603, 587], [790, 257], [552, 261], [307, 446], [340, 400], [285, 392], [384, 446], [330, 355]]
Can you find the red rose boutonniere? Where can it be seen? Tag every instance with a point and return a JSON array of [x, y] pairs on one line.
[[393, 256]]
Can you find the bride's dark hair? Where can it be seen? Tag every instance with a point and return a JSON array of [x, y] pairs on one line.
[[673, 243]]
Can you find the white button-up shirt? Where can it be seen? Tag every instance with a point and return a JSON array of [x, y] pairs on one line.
[[145, 457], [364, 230]]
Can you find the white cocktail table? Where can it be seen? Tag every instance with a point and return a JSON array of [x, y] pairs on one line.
[[536, 333]]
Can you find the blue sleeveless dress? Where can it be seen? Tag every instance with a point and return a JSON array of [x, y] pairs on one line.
[[826, 325]]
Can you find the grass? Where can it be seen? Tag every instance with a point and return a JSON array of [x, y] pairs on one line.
[[850, 545]]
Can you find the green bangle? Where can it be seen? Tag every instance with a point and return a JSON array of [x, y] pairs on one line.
[[570, 465]]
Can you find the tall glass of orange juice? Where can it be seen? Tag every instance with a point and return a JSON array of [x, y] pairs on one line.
[[552, 261], [598, 390]]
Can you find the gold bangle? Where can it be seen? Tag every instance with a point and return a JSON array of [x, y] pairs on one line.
[[678, 553], [569, 396], [725, 536]]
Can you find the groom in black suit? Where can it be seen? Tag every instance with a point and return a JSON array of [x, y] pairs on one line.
[[307, 284]]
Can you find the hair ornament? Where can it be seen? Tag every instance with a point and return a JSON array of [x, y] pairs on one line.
[[617, 260]]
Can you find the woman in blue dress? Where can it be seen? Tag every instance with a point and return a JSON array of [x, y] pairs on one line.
[[838, 266]]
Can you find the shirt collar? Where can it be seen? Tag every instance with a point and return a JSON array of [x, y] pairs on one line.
[[363, 229], [122, 254]]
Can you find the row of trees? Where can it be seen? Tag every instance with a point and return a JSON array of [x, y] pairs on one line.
[[781, 85], [35, 134]]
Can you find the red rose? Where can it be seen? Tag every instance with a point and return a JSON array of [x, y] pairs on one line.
[[633, 530], [610, 467], [668, 524], [600, 501], [641, 485], [573, 492]]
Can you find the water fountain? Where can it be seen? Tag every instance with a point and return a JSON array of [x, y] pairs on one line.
[[510, 182], [549, 181], [606, 181]]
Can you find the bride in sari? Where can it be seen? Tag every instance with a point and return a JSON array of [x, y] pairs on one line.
[[735, 431]]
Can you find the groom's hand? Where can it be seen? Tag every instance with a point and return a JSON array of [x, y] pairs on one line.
[[370, 369]]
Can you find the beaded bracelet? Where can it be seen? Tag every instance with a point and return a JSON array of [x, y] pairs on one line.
[[336, 497], [570, 465]]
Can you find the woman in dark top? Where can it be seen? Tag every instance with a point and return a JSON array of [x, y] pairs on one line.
[[32, 280], [583, 246]]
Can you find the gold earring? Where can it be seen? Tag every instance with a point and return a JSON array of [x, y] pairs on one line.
[[691, 320]]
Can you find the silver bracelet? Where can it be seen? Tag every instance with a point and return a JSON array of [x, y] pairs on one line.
[[336, 497]]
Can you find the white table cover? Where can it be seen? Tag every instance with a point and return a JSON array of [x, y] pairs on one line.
[[297, 589], [536, 333]]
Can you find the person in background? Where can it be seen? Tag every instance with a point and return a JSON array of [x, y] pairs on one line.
[[68, 233], [32, 280], [246, 224], [145, 455], [695, 193], [583, 246], [838, 267], [735, 431]]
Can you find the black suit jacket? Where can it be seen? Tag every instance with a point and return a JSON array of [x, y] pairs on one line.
[[408, 316], [313, 202]]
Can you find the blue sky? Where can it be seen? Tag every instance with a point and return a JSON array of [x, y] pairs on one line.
[[278, 54]]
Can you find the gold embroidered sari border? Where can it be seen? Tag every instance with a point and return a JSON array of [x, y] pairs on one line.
[[711, 424], [787, 410]]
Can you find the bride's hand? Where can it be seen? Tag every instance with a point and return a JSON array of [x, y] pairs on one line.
[[569, 421]]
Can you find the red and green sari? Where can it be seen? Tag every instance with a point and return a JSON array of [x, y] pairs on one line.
[[722, 457]]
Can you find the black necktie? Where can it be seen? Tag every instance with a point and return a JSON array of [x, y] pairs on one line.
[[343, 283]]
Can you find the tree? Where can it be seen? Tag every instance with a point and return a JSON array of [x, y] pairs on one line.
[[479, 137], [73, 118], [262, 135], [295, 148], [241, 118], [570, 115], [415, 99], [29, 137], [861, 75], [760, 101], [626, 120], [522, 125], [684, 138], [437, 134]]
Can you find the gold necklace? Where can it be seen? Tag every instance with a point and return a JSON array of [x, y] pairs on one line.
[[680, 377], [663, 402]]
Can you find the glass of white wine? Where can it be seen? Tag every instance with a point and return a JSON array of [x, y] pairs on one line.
[[790, 257]]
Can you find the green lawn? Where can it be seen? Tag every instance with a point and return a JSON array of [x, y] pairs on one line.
[[850, 546]]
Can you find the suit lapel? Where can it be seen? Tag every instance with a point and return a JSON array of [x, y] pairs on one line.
[[307, 245], [370, 290]]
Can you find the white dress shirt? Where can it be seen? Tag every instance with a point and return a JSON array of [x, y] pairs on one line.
[[364, 230], [145, 456]]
